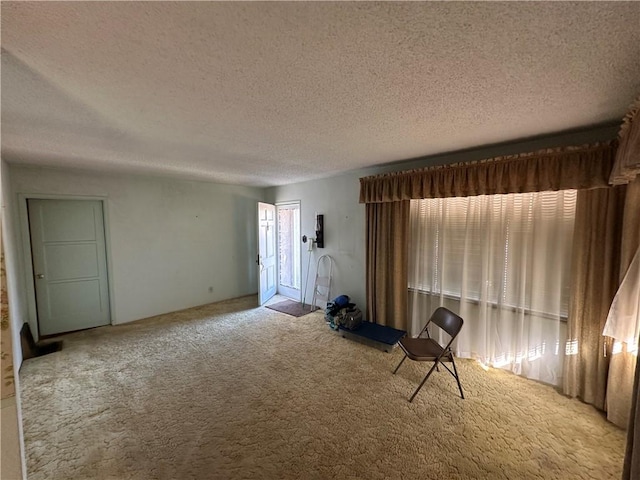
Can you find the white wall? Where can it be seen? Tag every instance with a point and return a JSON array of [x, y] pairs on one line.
[[168, 240], [12, 458], [17, 312], [337, 198]]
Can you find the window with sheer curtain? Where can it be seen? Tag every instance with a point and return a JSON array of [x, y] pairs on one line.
[[502, 262]]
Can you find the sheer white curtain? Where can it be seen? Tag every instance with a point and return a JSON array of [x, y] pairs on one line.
[[502, 262], [623, 321]]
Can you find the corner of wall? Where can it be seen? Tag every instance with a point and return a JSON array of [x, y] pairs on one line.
[[17, 312], [13, 460]]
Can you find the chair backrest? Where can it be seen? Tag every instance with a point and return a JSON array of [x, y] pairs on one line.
[[447, 321]]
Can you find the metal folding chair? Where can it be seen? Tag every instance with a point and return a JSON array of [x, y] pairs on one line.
[[427, 349]]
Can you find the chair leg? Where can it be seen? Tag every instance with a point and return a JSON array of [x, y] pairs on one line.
[[457, 377], [423, 380], [401, 362]]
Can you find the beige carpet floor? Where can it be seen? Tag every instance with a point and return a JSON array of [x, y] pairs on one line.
[[230, 391]]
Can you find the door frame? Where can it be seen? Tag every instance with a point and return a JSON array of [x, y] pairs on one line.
[[25, 241], [298, 203]]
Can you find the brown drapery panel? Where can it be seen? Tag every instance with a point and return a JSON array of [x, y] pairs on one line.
[[627, 162], [623, 364], [631, 469], [387, 263], [622, 367], [595, 278], [553, 169]]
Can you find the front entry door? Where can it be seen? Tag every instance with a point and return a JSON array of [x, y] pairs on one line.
[[266, 252], [69, 264], [289, 250]]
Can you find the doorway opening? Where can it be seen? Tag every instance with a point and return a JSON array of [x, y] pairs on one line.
[[289, 260]]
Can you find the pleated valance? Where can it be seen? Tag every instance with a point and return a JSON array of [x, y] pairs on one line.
[[627, 163], [581, 167]]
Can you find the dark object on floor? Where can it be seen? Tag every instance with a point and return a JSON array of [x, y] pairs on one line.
[[333, 308], [428, 350], [338, 303], [381, 336], [32, 349], [290, 307], [351, 318]]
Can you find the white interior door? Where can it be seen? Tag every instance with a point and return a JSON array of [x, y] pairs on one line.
[[266, 252], [69, 264], [289, 262]]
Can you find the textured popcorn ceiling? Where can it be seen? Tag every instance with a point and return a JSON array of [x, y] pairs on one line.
[[273, 93]]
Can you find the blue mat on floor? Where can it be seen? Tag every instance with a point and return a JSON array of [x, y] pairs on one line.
[[377, 333]]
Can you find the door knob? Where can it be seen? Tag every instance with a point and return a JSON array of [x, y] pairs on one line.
[[39, 276]]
